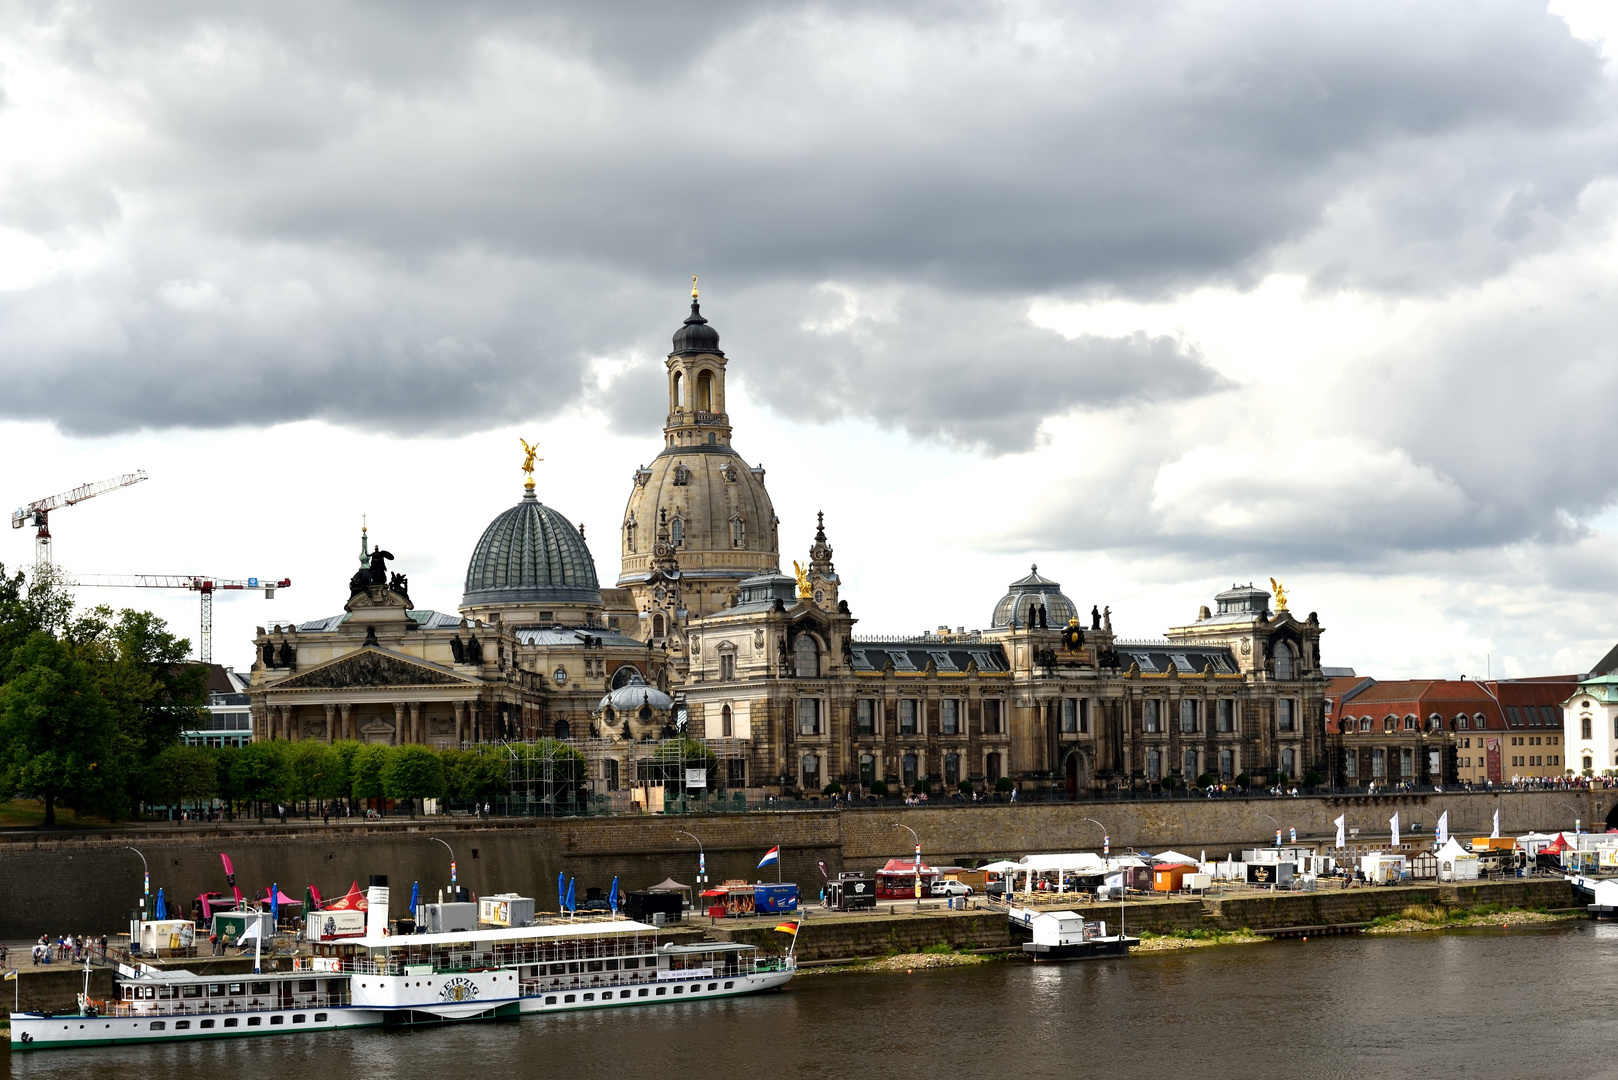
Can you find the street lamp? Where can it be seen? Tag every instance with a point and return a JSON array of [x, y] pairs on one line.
[[913, 835], [702, 857], [451, 859], [1277, 827], [1576, 812], [1106, 840], [145, 891]]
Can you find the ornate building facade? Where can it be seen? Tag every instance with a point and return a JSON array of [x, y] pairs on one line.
[[705, 636]]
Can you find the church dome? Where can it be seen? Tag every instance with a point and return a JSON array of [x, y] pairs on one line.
[[531, 555], [1033, 591], [696, 336]]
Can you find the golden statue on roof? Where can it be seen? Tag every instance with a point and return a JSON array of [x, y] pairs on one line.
[[1280, 595], [693, 286], [529, 450], [806, 591]]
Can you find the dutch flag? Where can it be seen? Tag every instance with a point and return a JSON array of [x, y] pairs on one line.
[[771, 856]]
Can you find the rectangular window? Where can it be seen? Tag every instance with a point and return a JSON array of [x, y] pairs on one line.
[[1379, 763], [1284, 720], [1351, 765], [1070, 716], [949, 717], [865, 717], [1227, 715], [1407, 762], [1152, 717], [1084, 716], [907, 716], [1188, 715], [808, 716], [991, 716], [727, 666], [1584, 726]]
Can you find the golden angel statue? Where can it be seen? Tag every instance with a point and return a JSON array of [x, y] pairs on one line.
[[529, 450], [805, 590], [1280, 595]]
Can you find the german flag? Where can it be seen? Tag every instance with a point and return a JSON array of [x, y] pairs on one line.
[[788, 928]]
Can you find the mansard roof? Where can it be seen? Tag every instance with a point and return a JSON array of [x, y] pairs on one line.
[[913, 654]]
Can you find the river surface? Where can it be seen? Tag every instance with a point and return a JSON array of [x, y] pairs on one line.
[[1467, 1004]]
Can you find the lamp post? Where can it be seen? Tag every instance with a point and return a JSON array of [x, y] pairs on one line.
[[1106, 839], [146, 882], [913, 835], [1277, 826], [451, 859], [1576, 821], [702, 857]]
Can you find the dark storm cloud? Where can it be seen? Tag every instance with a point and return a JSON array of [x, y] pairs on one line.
[[412, 214]]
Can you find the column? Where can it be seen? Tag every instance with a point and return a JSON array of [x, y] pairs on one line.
[[347, 712], [399, 734], [477, 727], [331, 722], [460, 722], [416, 734]]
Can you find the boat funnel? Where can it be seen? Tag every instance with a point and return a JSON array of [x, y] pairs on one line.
[[376, 902]]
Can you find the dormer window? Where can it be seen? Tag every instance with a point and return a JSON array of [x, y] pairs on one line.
[[682, 476]]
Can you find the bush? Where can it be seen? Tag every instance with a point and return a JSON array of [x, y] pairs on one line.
[[1004, 784], [1311, 778], [1170, 782], [1244, 780], [966, 787], [833, 788], [879, 788], [924, 786], [1207, 779]]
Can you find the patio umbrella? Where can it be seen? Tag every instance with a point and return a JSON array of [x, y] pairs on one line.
[[415, 897], [612, 897], [275, 904], [162, 908], [570, 883], [561, 892]]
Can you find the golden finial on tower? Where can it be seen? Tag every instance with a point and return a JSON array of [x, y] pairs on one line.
[[693, 286], [529, 450], [1280, 595]]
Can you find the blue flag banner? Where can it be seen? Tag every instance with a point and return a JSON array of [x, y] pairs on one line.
[[570, 883], [612, 897]]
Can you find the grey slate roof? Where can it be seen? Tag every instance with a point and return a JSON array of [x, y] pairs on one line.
[[531, 554], [1154, 657], [1033, 589], [426, 619], [574, 635], [913, 656]]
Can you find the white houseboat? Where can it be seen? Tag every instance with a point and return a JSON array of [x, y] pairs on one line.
[[591, 962]]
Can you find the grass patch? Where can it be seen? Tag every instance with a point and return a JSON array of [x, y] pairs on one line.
[[22, 813], [939, 948], [1192, 939], [1419, 917]]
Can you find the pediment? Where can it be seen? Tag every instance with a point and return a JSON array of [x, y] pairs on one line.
[[372, 667]]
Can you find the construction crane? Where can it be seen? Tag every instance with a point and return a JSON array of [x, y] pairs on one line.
[[38, 513], [199, 583]]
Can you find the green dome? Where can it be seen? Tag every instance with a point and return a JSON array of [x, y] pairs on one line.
[[531, 555]]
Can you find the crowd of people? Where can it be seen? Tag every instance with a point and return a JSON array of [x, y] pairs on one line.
[[64, 949]]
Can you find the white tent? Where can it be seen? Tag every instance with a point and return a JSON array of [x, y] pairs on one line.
[[999, 867], [1456, 863], [1062, 865], [1169, 858]]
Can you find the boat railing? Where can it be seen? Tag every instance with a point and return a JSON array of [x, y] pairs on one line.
[[596, 980], [182, 1007]]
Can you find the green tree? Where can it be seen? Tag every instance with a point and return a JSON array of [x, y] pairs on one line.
[[184, 775], [26, 610], [57, 737], [314, 766], [365, 779], [261, 774], [411, 773]]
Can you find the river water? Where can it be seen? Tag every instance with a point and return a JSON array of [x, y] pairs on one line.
[[1473, 1004]]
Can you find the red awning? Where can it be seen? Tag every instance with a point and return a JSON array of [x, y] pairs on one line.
[[354, 901], [905, 866]]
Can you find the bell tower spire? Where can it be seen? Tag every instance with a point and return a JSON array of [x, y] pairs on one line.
[[696, 370]]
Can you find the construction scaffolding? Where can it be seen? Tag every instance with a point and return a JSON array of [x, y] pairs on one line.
[[570, 777], [548, 778]]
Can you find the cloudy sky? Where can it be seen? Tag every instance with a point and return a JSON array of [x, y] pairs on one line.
[[1163, 296]]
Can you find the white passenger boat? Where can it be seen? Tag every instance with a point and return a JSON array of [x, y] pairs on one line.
[[592, 962]]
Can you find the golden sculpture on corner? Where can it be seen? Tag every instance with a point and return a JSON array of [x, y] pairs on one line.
[[1280, 595], [529, 450], [806, 591], [693, 286]]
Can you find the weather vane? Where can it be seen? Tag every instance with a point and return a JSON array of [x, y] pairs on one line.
[[529, 450]]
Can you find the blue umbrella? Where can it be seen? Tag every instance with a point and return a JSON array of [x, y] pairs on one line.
[[415, 897], [561, 892], [162, 908], [275, 904], [612, 897], [570, 884]]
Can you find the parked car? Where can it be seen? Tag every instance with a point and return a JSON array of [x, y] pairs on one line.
[[951, 888]]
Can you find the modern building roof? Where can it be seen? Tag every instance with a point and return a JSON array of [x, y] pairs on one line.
[[531, 554], [1033, 590]]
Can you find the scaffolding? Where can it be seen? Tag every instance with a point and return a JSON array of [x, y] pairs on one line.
[[570, 777], [547, 778]]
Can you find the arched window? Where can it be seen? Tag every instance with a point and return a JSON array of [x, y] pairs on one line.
[[645, 714], [1390, 722], [607, 714], [629, 537], [677, 532], [682, 476], [1227, 764], [726, 723], [1154, 766], [657, 626], [563, 730], [1410, 723], [1365, 723], [1584, 731], [1480, 721], [1588, 764], [705, 392], [907, 770], [1191, 765], [738, 532], [806, 657], [867, 769], [679, 390], [1288, 761], [811, 772], [1283, 660], [952, 771], [609, 773]]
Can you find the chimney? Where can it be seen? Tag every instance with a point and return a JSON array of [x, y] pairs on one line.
[[376, 899]]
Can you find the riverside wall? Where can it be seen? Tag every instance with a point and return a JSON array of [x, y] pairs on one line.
[[87, 881]]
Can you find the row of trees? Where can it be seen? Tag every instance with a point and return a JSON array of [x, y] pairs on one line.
[[88, 701], [315, 776]]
